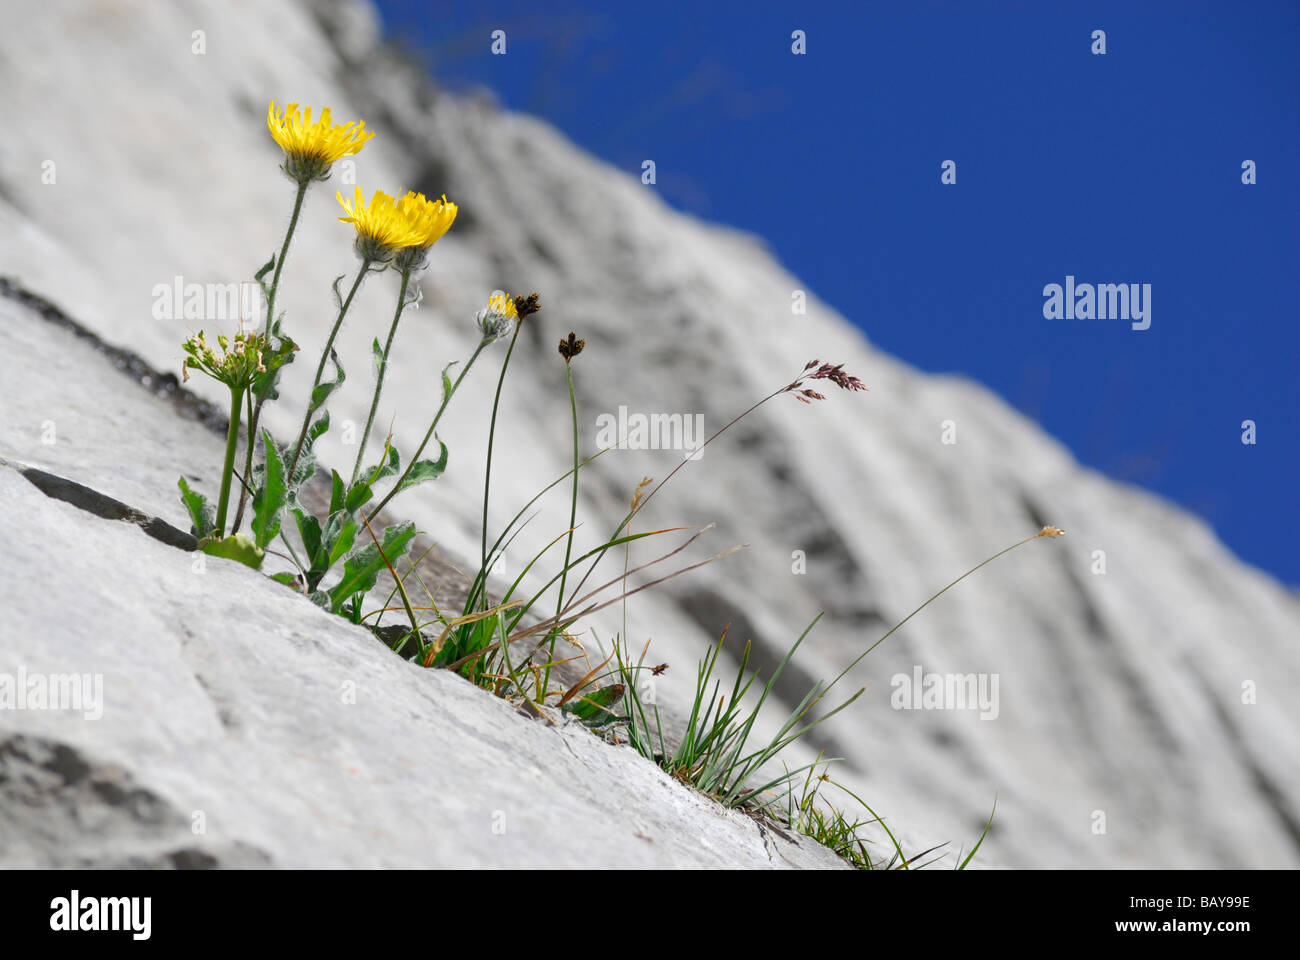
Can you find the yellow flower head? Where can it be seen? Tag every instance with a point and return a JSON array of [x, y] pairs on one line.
[[495, 321], [503, 304], [311, 148], [429, 220], [382, 229]]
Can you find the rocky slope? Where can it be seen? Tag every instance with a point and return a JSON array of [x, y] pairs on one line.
[[1120, 693]]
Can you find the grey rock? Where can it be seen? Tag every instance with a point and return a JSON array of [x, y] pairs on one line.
[[1121, 694]]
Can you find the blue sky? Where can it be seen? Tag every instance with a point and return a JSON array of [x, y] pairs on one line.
[[1122, 168]]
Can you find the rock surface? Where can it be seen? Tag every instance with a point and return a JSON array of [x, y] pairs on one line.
[[1121, 694], [235, 724]]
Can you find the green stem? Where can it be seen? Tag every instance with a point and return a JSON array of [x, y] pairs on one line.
[[320, 367], [228, 469], [573, 518], [428, 435], [656, 488], [256, 413], [492, 430], [379, 380]]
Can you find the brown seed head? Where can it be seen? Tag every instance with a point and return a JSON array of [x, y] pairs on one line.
[[526, 306], [571, 346]]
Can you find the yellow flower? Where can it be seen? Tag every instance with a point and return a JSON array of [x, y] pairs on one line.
[[311, 148], [428, 218], [495, 320], [503, 304], [382, 229]]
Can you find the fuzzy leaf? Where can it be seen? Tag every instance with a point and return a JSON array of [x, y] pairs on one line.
[[446, 380], [425, 470], [270, 498], [236, 547], [361, 571], [391, 463], [361, 491], [282, 354], [202, 516], [337, 494], [305, 469], [358, 495], [323, 390], [342, 542], [318, 428], [310, 532]]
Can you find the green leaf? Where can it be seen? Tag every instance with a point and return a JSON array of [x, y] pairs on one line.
[[323, 390], [290, 580], [236, 547], [202, 516], [446, 380], [281, 355], [342, 543], [266, 268], [377, 352], [361, 571], [337, 494], [358, 496], [596, 709], [324, 548], [305, 469], [425, 470], [391, 463], [361, 491], [270, 498], [309, 530], [318, 429]]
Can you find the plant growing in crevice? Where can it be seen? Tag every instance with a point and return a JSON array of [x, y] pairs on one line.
[[310, 151], [499, 643], [715, 754]]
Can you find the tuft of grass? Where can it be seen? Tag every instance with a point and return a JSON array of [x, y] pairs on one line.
[[715, 755]]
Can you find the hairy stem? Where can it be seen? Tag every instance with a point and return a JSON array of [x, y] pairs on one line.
[[256, 413], [320, 367], [428, 434], [379, 379]]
